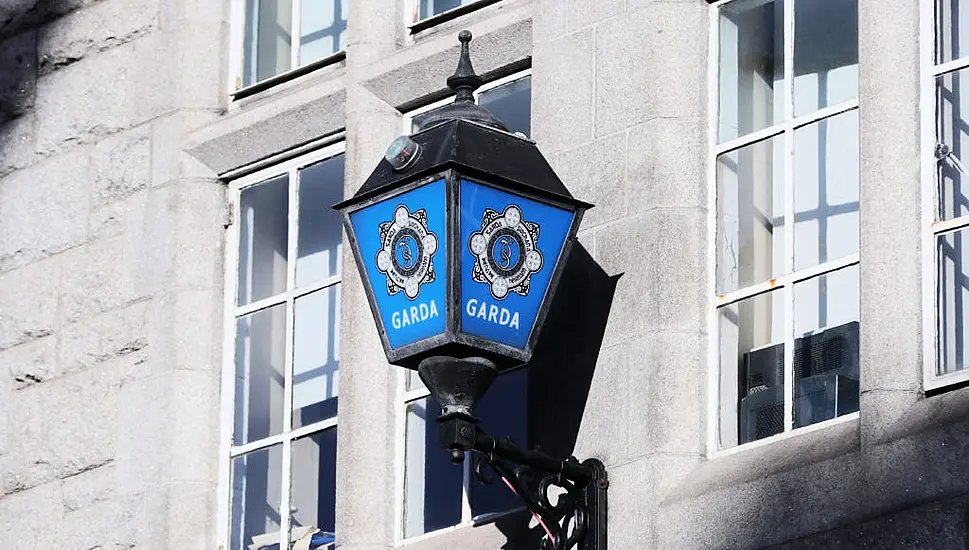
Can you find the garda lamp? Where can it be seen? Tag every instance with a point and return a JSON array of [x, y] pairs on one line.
[[460, 235]]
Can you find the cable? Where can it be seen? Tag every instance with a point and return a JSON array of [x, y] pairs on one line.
[[539, 518]]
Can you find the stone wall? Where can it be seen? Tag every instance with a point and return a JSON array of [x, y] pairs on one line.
[[110, 274], [114, 122]]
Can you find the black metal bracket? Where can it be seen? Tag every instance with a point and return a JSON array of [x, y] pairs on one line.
[[577, 519]]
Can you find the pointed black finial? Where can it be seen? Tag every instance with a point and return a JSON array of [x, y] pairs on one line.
[[464, 81]]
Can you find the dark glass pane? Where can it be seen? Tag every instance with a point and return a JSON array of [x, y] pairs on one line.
[[511, 104], [503, 412], [316, 356], [433, 487], [826, 174], [266, 49], [323, 29], [319, 246], [751, 87], [826, 313], [952, 145], [313, 486], [260, 378], [751, 369], [256, 493], [263, 244], [951, 30], [825, 53], [430, 8], [952, 302], [750, 214]]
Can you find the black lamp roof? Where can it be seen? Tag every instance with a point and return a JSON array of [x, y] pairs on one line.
[[466, 136], [476, 150]]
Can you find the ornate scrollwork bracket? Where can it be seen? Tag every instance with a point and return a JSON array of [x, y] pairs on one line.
[[570, 502]]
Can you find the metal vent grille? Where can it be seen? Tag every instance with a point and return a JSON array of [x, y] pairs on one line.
[[769, 421], [817, 355]]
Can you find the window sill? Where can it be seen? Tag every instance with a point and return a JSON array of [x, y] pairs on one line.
[[784, 452], [293, 74], [478, 521], [448, 15]]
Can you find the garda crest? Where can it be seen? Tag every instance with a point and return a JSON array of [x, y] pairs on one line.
[[406, 250], [506, 252]]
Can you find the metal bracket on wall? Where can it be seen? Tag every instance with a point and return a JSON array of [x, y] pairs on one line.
[[578, 518]]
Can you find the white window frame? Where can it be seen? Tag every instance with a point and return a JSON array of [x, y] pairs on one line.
[[784, 284], [237, 49], [932, 229], [228, 451], [405, 397]]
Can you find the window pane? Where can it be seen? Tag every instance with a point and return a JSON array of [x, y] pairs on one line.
[[263, 246], [434, 7], [826, 347], [320, 240], [433, 487], [260, 379], [316, 356], [952, 301], [952, 138], [750, 220], [952, 29], [256, 491], [267, 47], [323, 29], [503, 412], [751, 67], [825, 53], [826, 190], [412, 380], [511, 104], [751, 369], [313, 487]]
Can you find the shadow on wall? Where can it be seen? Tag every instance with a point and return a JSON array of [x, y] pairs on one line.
[[561, 370], [18, 52]]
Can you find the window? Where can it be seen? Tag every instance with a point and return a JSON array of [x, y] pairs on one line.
[[785, 303], [283, 335], [435, 493], [269, 44], [945, 202], [427, 13]]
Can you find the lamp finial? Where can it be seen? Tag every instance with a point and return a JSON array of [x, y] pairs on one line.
[[464, 81]]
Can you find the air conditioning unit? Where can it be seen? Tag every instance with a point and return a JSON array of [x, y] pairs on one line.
[[825, 382]]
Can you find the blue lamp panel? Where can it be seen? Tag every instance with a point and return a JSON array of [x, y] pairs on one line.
[[509, 248], [403, 244]]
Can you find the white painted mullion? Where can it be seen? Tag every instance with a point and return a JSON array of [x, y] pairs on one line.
[[256, 445], [928, 170], [292, 239], [950, 66], [787, 294], [313, 428], [400, 454], [948, 226], [227, 413], [259, 305], [237, 46], [315, 286], [713, 327], [789, 124], [284, 505], [466, 489], [414, 395], [295, 33], [787, 279]]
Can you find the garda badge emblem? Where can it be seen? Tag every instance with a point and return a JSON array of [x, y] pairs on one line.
[[506, 252], [405, 253]]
